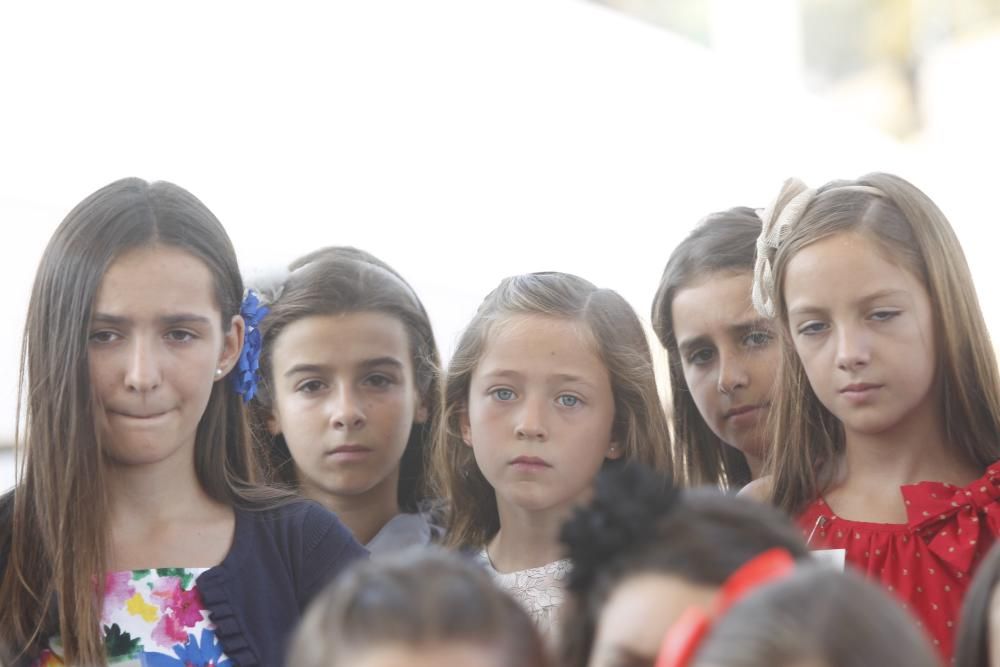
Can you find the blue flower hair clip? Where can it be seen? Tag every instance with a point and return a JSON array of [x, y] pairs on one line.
[[248, 368]]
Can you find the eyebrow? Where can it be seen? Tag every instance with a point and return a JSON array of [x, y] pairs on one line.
[[560, 377], [738, 328], [382, 361], [168, 320], [867, 298], [324, 368]]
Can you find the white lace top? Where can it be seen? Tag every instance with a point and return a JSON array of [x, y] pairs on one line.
[[538, 589]]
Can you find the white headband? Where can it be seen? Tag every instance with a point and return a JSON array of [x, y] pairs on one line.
[[775, 225]]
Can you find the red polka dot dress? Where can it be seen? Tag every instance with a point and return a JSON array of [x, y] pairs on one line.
[[928, 561]]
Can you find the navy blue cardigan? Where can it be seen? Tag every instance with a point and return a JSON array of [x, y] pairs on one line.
[[279, 560]]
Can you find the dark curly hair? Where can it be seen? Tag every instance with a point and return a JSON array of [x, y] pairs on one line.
[[638, 522]]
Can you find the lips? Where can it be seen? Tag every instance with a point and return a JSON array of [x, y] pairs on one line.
[[741, 410], [147, 415], [530, 462], [349, 452], [859, 388]]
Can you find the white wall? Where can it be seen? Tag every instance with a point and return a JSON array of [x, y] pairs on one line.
[[460, 141]]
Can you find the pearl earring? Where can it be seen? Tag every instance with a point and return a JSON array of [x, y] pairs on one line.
[[218, 372]]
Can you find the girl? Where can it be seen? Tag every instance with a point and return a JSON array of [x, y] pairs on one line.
[[721, 352], [426, 608], [819, 618], [550, 381], [978, 643], [139, 481], [885, 428], [667, 550], [348, 362]]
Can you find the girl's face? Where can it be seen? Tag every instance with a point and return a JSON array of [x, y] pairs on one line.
[[345, 399], [658, 600], [729, 357], [540, 413], [863, 328], [156, 347]]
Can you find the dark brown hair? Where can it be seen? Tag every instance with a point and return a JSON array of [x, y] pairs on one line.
[[807, 439], [722, 242], [58, 530], [640, 427], [972, 643], [337, 280], [416, 597], [639, 523], [817, 616]]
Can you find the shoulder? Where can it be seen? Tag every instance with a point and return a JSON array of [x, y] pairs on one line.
[[759, 489], [302, 524]]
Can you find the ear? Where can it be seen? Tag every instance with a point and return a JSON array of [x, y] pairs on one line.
[[232, 345], [422, 414], [615, 451], [273, 423], [466, 427]]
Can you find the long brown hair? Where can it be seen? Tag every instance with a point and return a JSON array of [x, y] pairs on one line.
[[722, 242], [807, 439], [339, 280], [640, 426], [58, 529]]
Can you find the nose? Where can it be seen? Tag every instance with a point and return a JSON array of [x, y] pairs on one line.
[[733, 373], [347, 411], [144, 372], [853, 348], [531, 421]]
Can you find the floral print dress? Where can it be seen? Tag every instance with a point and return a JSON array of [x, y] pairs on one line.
[[153, 618]]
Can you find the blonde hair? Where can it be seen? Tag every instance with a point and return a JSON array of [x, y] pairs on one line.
[[806, 437], [640, 426]]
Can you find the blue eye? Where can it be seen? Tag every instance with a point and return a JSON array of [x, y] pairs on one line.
[[884, 315], [568, 400], [503, 394], [812, 328]]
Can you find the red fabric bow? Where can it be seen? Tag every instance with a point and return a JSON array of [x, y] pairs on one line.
[[685, 635], [959, 518]]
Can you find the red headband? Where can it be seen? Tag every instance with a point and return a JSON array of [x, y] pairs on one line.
[[686, 634]]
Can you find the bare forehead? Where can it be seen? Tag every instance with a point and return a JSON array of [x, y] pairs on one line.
[[526, 328], [156, 278], [720, 295]]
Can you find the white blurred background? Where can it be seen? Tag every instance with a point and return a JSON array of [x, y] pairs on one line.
[[466, 140]]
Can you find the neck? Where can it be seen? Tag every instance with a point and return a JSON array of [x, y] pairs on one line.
[[527, 538], [364, 514], [164, 491], [755, 463], [914, 450]]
